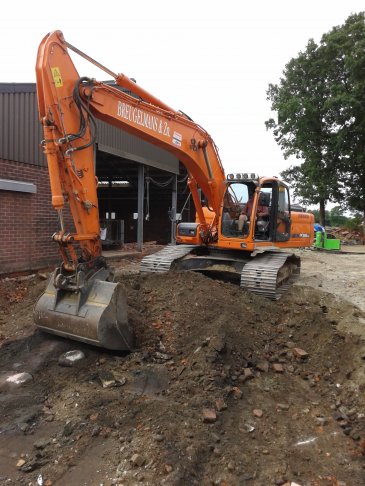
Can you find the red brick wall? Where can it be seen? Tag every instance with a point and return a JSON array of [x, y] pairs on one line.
[[27, 221]]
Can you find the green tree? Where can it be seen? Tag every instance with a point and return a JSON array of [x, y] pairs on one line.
[[300, 129], [344, 50], [320, 103], [336, 216]]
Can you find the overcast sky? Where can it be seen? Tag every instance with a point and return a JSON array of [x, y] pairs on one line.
[[211, 59]]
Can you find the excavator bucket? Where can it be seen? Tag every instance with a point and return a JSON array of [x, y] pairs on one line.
[[95, 314]]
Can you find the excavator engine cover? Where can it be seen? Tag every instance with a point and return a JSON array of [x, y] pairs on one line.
[[95, 314]]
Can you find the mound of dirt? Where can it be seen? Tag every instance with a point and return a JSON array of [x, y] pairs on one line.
[[17, 299], [223, 388]]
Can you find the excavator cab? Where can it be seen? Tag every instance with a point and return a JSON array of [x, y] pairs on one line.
[[256, 211]]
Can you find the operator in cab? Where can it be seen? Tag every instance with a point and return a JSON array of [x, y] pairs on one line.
[[246, 212]]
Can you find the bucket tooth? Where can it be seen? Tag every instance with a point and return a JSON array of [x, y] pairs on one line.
[[95, 314]]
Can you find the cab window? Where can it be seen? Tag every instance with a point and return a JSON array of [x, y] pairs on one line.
[[283, 222], [235, 198]]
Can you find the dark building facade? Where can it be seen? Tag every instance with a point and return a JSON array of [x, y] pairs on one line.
[[138, 183]]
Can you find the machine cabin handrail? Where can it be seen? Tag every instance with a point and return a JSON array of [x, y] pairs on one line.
[[66, 104]]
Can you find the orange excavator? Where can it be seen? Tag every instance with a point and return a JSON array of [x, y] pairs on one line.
[[243, 222]]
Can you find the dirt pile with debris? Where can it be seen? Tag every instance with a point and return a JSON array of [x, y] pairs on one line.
[[17, 299], [224, 388], [347, 237]]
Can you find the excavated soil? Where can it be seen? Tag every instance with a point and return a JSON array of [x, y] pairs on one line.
[[224, 387]]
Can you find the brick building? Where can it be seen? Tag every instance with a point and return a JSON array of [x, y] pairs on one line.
[[142, 185]]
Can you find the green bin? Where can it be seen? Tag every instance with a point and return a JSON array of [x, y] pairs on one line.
[[326, 241], [331, 243]]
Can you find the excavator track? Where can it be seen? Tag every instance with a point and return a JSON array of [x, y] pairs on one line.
[[162, 260], [270, 274]]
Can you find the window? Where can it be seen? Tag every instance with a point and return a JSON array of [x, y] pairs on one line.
[[236, 197], [283, 223], [283, 203]]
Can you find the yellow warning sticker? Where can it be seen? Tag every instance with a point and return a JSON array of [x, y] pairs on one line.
[[57, 78]]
